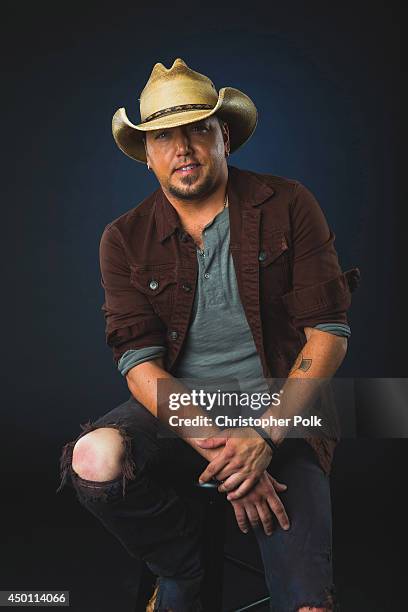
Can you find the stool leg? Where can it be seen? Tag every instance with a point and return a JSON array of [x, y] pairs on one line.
[[213, 552]]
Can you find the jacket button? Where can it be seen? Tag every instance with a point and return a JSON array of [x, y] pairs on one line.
[[186, 287], [262, 256], [173, 335], [153, 284], [183, 237]]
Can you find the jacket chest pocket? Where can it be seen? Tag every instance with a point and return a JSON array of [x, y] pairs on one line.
[[274, 264], [158, 284]]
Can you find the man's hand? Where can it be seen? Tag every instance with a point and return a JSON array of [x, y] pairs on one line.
[[260, 504], [241, 462]]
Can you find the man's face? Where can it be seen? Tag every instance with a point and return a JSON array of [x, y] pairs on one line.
[[189, 160]]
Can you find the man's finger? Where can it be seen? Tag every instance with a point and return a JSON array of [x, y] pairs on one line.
[[214, 442], [253, 516], [266, 517], [231, 483], [241, 517], [278, 485], [215, 466], [227, 472], [243, 489], [279, 511]]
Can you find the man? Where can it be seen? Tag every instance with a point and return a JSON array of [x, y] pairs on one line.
[[220, 273]]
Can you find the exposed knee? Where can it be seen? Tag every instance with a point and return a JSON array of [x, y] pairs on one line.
[[98, 455]]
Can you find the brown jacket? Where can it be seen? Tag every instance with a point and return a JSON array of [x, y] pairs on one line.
[[286, 265]]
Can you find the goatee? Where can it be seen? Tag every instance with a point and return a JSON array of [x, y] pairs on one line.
[[202, 189]]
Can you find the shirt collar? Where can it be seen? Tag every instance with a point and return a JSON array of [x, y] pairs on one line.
[[243, 188]]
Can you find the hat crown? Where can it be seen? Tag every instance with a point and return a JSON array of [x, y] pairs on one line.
[[175, 86]]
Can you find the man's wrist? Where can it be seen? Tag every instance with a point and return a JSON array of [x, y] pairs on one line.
[[267, 439]]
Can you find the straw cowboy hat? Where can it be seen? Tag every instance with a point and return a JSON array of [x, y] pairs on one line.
[[177, 96]]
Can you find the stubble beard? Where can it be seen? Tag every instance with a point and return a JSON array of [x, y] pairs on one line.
[[190, 192]]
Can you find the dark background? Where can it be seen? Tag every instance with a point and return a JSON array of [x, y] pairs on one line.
[[326, 79]]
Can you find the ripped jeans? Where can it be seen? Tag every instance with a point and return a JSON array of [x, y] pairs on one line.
[[148, 510]]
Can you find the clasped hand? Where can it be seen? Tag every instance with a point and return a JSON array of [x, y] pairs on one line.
[[253, 492], [239, 464], [260, 504]]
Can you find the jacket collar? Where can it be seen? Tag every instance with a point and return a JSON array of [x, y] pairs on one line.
[[167, 219], [244, 188]]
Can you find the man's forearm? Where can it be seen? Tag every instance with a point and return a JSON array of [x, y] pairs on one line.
[[317, 362], [143, 385]]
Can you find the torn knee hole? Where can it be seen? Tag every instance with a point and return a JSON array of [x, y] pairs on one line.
[[127, 468]]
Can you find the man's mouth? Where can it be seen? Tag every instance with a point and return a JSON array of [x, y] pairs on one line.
[[187, 168]]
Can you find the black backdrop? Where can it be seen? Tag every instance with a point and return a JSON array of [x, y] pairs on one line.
[[326, 79]]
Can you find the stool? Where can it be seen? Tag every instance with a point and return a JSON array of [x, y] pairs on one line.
[[213, 554]]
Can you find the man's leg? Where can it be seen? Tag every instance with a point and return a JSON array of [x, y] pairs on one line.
[[298, 562], [132, 480]]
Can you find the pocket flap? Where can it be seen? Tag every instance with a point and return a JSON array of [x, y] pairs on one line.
[[273, 247], [152, 280]]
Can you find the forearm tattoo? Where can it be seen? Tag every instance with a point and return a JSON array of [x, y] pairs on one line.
[[301, 364]]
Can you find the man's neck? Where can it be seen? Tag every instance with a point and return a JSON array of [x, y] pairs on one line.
[[194, 215]]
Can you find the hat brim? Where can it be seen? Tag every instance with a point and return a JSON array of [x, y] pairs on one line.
[[233, 106]]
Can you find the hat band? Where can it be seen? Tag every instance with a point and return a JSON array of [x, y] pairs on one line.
[[177, 109]]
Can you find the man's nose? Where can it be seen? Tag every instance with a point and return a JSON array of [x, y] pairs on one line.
[[183, 144]]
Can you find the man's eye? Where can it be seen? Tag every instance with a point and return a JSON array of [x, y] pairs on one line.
[[160, 135], [200, 128]]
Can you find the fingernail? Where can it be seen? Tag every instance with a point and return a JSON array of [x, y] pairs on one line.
[[245, 530], [286, 527]]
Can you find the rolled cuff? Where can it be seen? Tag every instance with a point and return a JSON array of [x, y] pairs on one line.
[[134, 357], [143, 334], [338, 329]]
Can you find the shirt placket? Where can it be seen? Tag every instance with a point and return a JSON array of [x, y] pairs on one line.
[[210, 271]]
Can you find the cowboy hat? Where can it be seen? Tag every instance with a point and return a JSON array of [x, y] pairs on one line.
[[177, 96]]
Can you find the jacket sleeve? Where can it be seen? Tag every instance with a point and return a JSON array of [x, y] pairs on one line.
[[321, 292], [130, 320]]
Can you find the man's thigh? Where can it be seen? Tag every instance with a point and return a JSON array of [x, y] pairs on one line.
[[298, 562]]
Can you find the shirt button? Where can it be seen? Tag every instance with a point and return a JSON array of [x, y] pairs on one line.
[[206, 275], [153, 284], [187, 287], [262, 256], [173, 335]]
